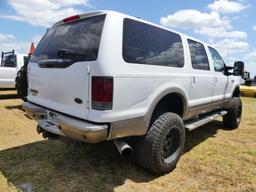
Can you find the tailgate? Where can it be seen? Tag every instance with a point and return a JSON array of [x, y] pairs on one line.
[[64, 90], [58, 70]]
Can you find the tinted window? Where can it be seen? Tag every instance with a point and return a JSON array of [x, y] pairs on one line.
[[217, 60], [82, 37], [146, 44], [9, 60], [198, 55]]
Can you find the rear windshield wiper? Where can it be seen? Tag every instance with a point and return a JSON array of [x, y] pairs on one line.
[[62, 53]]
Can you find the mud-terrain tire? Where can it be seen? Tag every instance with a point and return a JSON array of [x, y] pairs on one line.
[[160, 149], [21, 83], [233, 118]]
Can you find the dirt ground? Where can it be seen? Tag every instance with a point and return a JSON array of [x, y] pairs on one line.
[[214, 159]]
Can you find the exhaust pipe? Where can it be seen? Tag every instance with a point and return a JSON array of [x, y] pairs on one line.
[[123, 148]]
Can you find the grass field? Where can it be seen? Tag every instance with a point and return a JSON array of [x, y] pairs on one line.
[[215, 159]]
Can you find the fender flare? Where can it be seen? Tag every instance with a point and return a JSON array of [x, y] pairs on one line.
[[160, 94]]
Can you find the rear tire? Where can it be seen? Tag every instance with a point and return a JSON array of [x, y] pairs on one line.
[[233, 118], [160, 149]]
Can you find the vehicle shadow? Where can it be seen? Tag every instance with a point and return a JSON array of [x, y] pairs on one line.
[[8, 93], [67, 165], [199, 135], [12, 107], [7, 89], [9, 96]]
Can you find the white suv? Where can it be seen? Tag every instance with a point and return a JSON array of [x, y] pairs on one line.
[[109, 76]]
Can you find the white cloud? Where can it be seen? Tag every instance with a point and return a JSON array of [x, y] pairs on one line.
[[227, 6], [254, 27], [36, 39], [43, 12], [231, 46], [251, 57], [12, 43], [65, 3], [19, 47], [250, 63], [6, 37], [221, 32], [208, 24], [193, 19]]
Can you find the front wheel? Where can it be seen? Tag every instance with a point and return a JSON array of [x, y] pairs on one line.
[[160, 149], [233, 118]]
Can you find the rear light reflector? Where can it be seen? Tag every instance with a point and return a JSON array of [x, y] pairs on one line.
[[71, 18], [102, 93]]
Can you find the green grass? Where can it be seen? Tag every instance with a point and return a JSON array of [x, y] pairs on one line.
[[214, 159]]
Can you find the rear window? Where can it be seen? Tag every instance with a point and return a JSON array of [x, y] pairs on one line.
[[147, 44], [82, 36]]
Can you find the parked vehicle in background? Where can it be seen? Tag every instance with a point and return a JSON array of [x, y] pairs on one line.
[[109, 76], [10, 64], [248, 81]]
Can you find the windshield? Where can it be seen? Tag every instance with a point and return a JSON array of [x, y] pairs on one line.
[[82, 36]]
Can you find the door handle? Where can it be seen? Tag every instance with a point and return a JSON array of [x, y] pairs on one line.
[[193, 79]]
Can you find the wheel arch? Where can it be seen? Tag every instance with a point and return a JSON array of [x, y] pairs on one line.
[[174, 94]]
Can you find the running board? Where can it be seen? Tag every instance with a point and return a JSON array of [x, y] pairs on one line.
[[201, 121]]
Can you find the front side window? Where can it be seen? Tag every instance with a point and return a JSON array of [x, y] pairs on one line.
[[147, 44], [78, 39], [218, 62], [198, 55]]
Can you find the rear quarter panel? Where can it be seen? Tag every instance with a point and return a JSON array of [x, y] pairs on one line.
[[136, 86]]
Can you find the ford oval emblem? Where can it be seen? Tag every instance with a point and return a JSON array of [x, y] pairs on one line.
[[78, 100]]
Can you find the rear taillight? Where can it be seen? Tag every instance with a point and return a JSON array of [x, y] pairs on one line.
[[71, 18], [102, 93]]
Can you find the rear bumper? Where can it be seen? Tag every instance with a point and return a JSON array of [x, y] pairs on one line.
[[67, 126]]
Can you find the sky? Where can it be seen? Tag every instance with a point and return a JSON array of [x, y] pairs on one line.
[[228, 25]]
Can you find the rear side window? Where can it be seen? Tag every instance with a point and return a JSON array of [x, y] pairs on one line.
[[198, 55], [81, 38], [218, 62], [147, 44]]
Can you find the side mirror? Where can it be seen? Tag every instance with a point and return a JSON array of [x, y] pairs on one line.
[[238, 68]]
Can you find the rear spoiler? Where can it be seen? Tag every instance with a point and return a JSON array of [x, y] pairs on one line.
[[80, 16]]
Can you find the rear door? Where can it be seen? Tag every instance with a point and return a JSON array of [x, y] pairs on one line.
[[58, 70], [200, 91]]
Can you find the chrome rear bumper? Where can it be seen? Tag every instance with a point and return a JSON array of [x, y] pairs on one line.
[[67, 126]]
